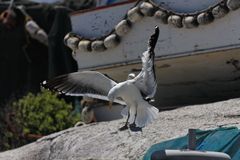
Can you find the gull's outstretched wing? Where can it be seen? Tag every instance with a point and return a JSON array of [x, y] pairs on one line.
[[87, 83], [146, 79]]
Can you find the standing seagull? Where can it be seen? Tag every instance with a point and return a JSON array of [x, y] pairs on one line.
[[135, 93]]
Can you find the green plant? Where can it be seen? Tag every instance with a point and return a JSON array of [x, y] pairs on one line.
[[10, 131], [44, 113]]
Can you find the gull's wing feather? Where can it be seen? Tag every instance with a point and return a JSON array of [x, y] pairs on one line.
[[87, 83], [146, 79]]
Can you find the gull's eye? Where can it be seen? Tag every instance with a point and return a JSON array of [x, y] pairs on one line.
[[120, 98]]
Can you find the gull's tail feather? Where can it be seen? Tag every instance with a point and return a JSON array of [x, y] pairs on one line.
[[146, 114], [132, 112], [124, 111]]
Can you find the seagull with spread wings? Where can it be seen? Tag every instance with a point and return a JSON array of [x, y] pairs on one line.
[[135, 92]]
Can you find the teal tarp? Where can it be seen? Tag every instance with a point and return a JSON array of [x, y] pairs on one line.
[[225, 140]]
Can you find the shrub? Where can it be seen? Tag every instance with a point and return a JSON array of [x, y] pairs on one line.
[[44, 113]]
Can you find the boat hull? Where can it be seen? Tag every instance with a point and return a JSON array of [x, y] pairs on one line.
[[191, 79], [193, 65]]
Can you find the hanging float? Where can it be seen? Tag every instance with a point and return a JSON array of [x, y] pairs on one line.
[[165, 16]]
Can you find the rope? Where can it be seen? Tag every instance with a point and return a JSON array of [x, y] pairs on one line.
[[155, 8]]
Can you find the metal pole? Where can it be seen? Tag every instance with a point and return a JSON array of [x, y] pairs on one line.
[[192, 139]]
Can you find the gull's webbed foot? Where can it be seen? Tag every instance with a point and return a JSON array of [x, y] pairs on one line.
[[134, 128], [123, 128]]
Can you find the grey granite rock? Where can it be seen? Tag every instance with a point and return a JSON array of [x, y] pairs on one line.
[[103, 141]]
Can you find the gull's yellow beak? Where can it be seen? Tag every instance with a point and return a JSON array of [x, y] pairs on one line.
[[110, 104]]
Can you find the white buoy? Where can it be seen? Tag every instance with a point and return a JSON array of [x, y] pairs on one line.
[[175, 21], [190, 22], [233, 4], [219, 11], [134, 15], [111, 41], [72, 42], [84, 45], [205, 18], [161, 16], [98, 46], [147, 9], [122, 28]]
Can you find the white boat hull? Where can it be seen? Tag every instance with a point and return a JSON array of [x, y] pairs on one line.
[[193, 65]]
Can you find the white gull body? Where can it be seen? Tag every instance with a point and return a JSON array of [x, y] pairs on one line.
[[134, 93], [141, 112]]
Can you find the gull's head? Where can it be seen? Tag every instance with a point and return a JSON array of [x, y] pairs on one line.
[[131, 76]]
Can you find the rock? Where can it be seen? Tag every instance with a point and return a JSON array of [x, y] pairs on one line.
[[103, 140]]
